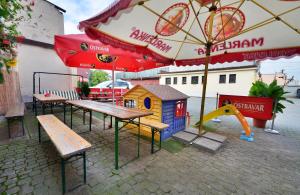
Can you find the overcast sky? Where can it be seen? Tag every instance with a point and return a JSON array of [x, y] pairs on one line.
[[78, 10]]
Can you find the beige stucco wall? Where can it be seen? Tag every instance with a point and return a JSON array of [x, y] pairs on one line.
[[244, 79], [46, 21]]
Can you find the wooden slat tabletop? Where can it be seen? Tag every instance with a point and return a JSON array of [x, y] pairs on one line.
[[109, 109], [51, 98], [65, 139]]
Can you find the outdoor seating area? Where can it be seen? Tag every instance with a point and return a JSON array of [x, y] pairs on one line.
[[149, 97]]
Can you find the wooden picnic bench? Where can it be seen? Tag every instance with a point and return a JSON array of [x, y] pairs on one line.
[[15, 111], [156, 127], [67, 142]]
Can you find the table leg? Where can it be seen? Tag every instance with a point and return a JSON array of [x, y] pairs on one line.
[[110, 126], [91, 120], [35, 107], [116, 144], [51, 106], [43, 108], [104, 117], [83, 116], [71, 117]]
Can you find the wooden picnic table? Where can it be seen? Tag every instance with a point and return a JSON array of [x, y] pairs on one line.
[[119, 112], [48, 100]]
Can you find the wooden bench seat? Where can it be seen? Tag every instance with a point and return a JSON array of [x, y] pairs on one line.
[[15, 111], [67, 142]]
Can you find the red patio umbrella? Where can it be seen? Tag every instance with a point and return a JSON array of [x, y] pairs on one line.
[[78, 50]]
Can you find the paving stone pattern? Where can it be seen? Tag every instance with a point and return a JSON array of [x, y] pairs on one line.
[[269, 165]]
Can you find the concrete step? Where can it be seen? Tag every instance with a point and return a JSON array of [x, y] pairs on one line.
[[207, 144], [215, 137], [184, 137]]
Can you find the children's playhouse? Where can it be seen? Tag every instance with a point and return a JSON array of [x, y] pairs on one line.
[[167, 104]]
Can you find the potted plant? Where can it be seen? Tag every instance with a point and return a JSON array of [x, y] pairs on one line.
[[274, 91], [84, 89]]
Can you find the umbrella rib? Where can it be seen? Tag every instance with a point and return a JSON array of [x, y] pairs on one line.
[[260, 24], [191, 42], [227, 22], [196, 16], [181, 29], [275, 16]]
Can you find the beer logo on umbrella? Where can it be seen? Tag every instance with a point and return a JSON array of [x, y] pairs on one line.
[[204, 2], [105, 58], [84, 46], [228, 21], [176, 15]]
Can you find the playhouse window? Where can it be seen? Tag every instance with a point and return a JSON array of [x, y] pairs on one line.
[[180, 109], [147, 103], [129, 103]]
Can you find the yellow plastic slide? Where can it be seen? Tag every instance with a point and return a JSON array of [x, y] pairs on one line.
[[229, 110]]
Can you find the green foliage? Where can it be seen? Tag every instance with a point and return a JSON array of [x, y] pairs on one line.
[[85, 89], [261, 89], [98, 76], [9, 20]]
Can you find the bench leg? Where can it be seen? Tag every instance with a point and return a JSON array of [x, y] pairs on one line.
[[91, 114], [64, 105], [139, 137], [84, 167], [43, 108], [83, 116], [39, 129], [159, 140], [51, 106], [8, 127], [110, 125], [71, 117], [63, 178], [152, 140], [104, 117], [23, 129], [35, 107]]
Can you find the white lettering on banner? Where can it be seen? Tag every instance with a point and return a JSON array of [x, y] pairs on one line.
[[246, 43], [251, 107], [98, 48], [147, 38]]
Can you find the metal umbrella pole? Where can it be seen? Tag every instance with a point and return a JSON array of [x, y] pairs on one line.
[[113, 83], [272, 130]]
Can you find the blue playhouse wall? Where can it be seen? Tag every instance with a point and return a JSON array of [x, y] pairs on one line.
[[168, 116]]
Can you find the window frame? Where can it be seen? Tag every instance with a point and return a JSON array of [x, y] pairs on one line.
[[197, 80], [232, 82], [185, 80], [168, 78], [222, 75], [175, 79]]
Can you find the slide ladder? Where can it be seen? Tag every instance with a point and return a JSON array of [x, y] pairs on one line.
[[232, 110]]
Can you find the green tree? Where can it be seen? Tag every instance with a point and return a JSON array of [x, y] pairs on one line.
[[10, 17], [98, 76]]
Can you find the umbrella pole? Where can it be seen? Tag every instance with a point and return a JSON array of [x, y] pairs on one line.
[[204, 91], [113, 84], [209, 43]]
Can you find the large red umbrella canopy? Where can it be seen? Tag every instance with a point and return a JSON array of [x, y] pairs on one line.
[[178, 30], [78, 50]]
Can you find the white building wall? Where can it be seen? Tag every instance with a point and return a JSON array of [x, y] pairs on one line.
[[46, 21], [244, 80]]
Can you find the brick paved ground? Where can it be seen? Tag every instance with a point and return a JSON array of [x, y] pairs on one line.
[[270, 165]]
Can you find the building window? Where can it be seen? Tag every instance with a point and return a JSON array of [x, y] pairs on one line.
[[168, 81], [195, 80], [232, 78], [202, 81], [175, 80], [222, 78], [183, 80]]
